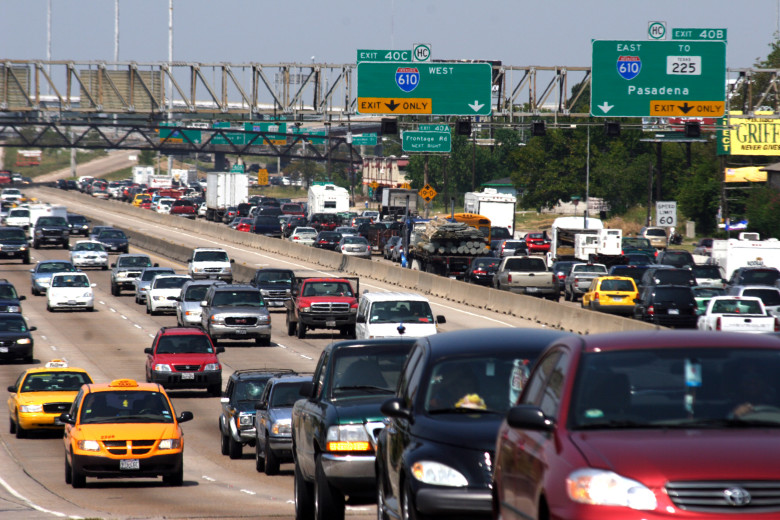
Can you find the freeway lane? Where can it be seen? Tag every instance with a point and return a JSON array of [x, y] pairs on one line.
[[109, 344]]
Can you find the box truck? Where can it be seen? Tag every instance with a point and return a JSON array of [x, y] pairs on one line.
[[327, 198], [224, 189], [733, 253], [394, 202], [498, 207]]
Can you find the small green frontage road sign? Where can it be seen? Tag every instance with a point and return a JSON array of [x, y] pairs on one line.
[[658, 78], [457, 89], [699, 34], [440, 127], [237, 168], [426, 142], [383, 55], [364, 140]]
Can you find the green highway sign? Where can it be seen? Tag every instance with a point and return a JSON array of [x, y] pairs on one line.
[[383, 55], [699, 34], [658, 78], [456, 89], [441, 127], [364, 139], [426, 142], [269, 128], [310, 135]]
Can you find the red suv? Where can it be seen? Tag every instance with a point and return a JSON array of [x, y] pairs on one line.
[[644, 425], [184, 357], [537, 242]]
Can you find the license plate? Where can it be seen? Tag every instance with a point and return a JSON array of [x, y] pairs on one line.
[[674, 311], [188, 375], [129, 464], [4, 350], [240, 331], [113, 248], [531, 289], [330, 323], [71, 302], [617, 298]]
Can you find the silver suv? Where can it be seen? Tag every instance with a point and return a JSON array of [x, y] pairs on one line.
[[236, 312], [208, 262], [126, 269]]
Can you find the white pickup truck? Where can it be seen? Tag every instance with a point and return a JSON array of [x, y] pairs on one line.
[[737, 314]]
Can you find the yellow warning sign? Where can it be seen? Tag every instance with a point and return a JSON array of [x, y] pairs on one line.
[[395, 106], [427, 193], [666, 108], [406, 186], [262, 177]]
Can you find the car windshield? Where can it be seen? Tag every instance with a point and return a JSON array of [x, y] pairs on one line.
[[677, 388], [707, 271], [52, 221], [185, 344], [89, 246], [55, 267], [760, 277], [211, 256], [402, 311], [327, 289], [281, 277], [475, 382], [126, 406], [70, 281], [237, 299], [770, 296], [111, 233], [249, 390], [12, 324], [171, 282], [134, 261], [12, 234], [367, 372], [196, 293], [54, 381], [8, 292], [285, 394]]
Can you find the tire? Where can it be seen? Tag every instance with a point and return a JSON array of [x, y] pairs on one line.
[[380, 496], [270, 458], [350, 331], [408, 510], [304, 498], [566, 295], [114, 290], [300, 331], [34, 291], [265, 341], [49, 308], [214, 390], [147, 310], [68, 472], [11, 426], [90, 309], [291, 328], [259, 461], [235, 449], [65, 245], [77, 479], [175, 479], [35, 244], [224, 445], [328, 500], [26, 259], [104, 268]]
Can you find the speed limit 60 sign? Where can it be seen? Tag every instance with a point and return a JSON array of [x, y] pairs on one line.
[[666, 213]]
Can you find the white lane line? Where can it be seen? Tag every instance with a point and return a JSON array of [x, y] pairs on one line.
[[124, 317], [13, 492], [101, 303], [112, 309], [204, 477], [304, 356], [248, 492], [280, 345], [151, 335], [43, 337], [52, 347], [137, 326]]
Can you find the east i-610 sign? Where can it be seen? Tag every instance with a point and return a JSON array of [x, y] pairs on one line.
[[658, 78]]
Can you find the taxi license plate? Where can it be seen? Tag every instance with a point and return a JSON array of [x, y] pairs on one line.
[[188, 375], [674, 311], [240, 331], [129, 464], [4, 349], [617, 298], [330, 323]]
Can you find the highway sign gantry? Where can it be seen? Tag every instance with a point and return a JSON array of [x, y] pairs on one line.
[[427, 193], [457, 89], [412, 141], [658, 78]]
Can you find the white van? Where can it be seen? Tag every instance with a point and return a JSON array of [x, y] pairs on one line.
[[394, 314]]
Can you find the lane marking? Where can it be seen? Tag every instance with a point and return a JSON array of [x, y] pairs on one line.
[[151, 335], [124, 317], [204, 477], [248, 492], [304, 356], [15, 493], [112, 309], [137, 326], [52, 347]]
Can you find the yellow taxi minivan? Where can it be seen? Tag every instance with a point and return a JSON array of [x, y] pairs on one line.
[[123, 429], [41, 394], [613, 294]]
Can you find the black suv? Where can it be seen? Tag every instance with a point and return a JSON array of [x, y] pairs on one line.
[[668, 306], [667, 275], [9, 298], [274, 284], [675, 257], [237, 419], [79, 225], [15, 338], [51, 230], [754, 276], [13, 244]]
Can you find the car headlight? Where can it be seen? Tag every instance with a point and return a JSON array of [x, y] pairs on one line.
[[169, 444], [211, 366], [305, 309], [347, 437], [281, 427], [23, 341], [192, 313], [246, 419], [159, 298], [197, 269], [220, 320], [89, 445], [606, 488], [23, 248], [162, 367], [265, 292], [44, 280], [13, 308], [227, 269], [31, 408], [438, 474], [263, 319], [87, 294]]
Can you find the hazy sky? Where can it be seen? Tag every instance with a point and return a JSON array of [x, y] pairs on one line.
[[518, 32]]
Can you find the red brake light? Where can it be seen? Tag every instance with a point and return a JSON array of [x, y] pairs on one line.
[[596, 296], [509, 278], [777, 325], [651, 310], [718, 325]]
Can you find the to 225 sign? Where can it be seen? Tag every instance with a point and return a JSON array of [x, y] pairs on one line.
[[666, 213]]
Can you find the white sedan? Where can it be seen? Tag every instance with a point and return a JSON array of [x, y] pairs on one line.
[[89, 253], [70, 291], [163, 291], [303, 235]]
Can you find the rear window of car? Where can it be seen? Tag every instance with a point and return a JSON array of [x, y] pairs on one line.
[[617, 285], [760, 277], [675, 294], [655, 233], [707, 271], [525, 265], [769, 296], [673, 277], [679, 258]]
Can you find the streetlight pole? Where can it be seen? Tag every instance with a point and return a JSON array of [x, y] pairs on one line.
[[170, 83], [587, 181]]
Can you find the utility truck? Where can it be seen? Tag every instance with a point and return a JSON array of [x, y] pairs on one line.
[[563, 232], [224, 189], [498, 207], [327, 198], [734, 253], [604, 246], [394, 202]]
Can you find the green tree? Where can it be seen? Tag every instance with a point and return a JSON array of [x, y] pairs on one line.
[[763, 211], [146, 157]]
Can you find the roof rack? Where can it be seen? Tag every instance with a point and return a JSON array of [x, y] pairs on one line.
[[267, 370]]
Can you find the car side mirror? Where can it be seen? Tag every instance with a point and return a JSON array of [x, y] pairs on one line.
[[360, 319], [204, 303], [67, 419], [32, 270], [32, 329], [11, 388], [395, 408], [261, 406], [232, 261], [174, 298], [307, 389], [185, 416], [22, 297], [156, 265], [93, 285], [441, 319], [220, 350], [224, 400], [112, 266], [528, 417], [148, 350]]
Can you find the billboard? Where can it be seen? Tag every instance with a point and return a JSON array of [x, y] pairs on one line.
[[746, 174], [750, 136]]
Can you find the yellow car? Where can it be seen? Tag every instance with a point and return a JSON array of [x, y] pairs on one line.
[[123, 429], [611, 294], [41, 394], [141, 198]]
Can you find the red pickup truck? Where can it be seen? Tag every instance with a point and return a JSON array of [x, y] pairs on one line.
[[323, 303], [184, 208]]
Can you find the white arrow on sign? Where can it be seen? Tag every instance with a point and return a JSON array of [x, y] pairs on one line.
[[606, 107], [477, 105]]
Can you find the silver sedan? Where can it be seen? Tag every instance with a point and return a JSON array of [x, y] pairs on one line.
[[40, 275], [354, 246]]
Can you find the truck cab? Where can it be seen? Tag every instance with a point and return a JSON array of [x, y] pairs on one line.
[[323, 303]]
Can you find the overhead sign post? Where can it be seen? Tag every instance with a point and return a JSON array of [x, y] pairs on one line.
[[457, 89], [426, 141], [658, 78]]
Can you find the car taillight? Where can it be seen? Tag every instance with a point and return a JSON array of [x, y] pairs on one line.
[[479, 271], [718, 325], [295, 238], [576, 280], [651, 310], [777, 325], [596, 296]]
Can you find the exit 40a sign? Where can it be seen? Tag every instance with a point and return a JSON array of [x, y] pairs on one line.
[[658, 78]]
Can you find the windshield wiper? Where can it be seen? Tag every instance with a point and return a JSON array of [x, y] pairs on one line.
[[614, 424], [366, 387], [464, 409], [723, 422]]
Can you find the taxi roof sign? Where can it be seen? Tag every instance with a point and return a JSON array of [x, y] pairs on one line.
[[57, 363], [123, 383]]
